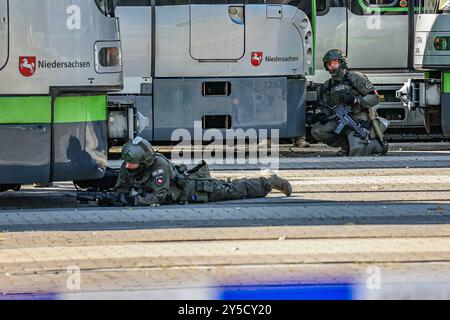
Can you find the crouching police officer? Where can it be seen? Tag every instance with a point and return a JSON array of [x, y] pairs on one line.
[[156, 181], [355, 90]]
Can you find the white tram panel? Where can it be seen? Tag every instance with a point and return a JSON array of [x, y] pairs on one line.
[[31, 41], [274, 38]]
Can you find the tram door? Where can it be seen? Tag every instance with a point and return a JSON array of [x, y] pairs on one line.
[[217, 31], [331, 32], [378, 34], [4, 37]]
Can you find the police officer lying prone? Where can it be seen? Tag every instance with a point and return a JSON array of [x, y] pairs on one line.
[[355, 128], [156, 181]]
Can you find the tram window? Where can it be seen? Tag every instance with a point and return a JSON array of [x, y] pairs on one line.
[[106, 7], [433, 6], [295, 3], [109, 57], [267, 1], [171, 2], [133, 3], [383, 7], [444, 6], [216, 1], [185, 2], [379, 3], [322, 7]]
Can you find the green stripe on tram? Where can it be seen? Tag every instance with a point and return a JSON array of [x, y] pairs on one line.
[[37, 109], [80, 109], [446, 82], [25, 110]]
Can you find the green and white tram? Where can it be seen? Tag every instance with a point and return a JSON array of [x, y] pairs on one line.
[[432, 56], [58, 59], [222, 64]]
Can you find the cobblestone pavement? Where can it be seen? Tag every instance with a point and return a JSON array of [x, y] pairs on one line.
[[341, 223]]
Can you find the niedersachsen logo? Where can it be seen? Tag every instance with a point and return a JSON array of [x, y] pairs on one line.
[[28, 65], [75, 64], [282, 59]]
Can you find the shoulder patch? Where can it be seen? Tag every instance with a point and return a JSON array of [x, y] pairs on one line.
[[360, 80], [157, 173], [159, 181], [369, 85]]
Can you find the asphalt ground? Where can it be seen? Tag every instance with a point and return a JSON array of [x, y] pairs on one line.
[[349, 220]]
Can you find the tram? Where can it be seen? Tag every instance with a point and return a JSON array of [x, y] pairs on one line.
[[222, 64], [431, 56], [58, 60], [231, 64]]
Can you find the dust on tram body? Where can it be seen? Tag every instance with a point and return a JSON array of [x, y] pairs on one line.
[[240, 64], [58, 60], [225, 64]]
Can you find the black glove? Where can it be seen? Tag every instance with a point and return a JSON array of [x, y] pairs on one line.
[[181, 169], [347, 98], [121, 200]]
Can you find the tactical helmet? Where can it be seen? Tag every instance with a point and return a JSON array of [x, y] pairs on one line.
[[138, 151], [335, 54]]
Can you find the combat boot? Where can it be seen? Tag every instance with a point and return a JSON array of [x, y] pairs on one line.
[[385, 148], [342, 153], [300, 143], [280, 184]]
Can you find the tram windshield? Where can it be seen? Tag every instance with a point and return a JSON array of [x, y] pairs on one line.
[[434, 6], [107, 7]]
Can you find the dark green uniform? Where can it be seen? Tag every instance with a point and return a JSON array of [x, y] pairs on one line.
[[364, 97], [163, 183]]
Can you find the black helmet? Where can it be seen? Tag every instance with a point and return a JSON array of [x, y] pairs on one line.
[[335, 54], [138, 151]]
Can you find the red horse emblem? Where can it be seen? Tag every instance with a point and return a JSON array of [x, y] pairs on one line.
[[257, 58], [27, 66]]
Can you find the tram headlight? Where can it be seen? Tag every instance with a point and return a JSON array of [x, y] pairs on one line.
[[309, 56], [442, 43], [309, 38], [304, 24], [109, 57]]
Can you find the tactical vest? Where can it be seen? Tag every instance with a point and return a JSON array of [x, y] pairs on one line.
[[332, 89]]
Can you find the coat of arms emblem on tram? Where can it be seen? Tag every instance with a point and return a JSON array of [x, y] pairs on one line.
[[27, 66], [257, 58]]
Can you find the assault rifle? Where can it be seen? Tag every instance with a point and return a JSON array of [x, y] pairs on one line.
[[342, 113], [105, 199]]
